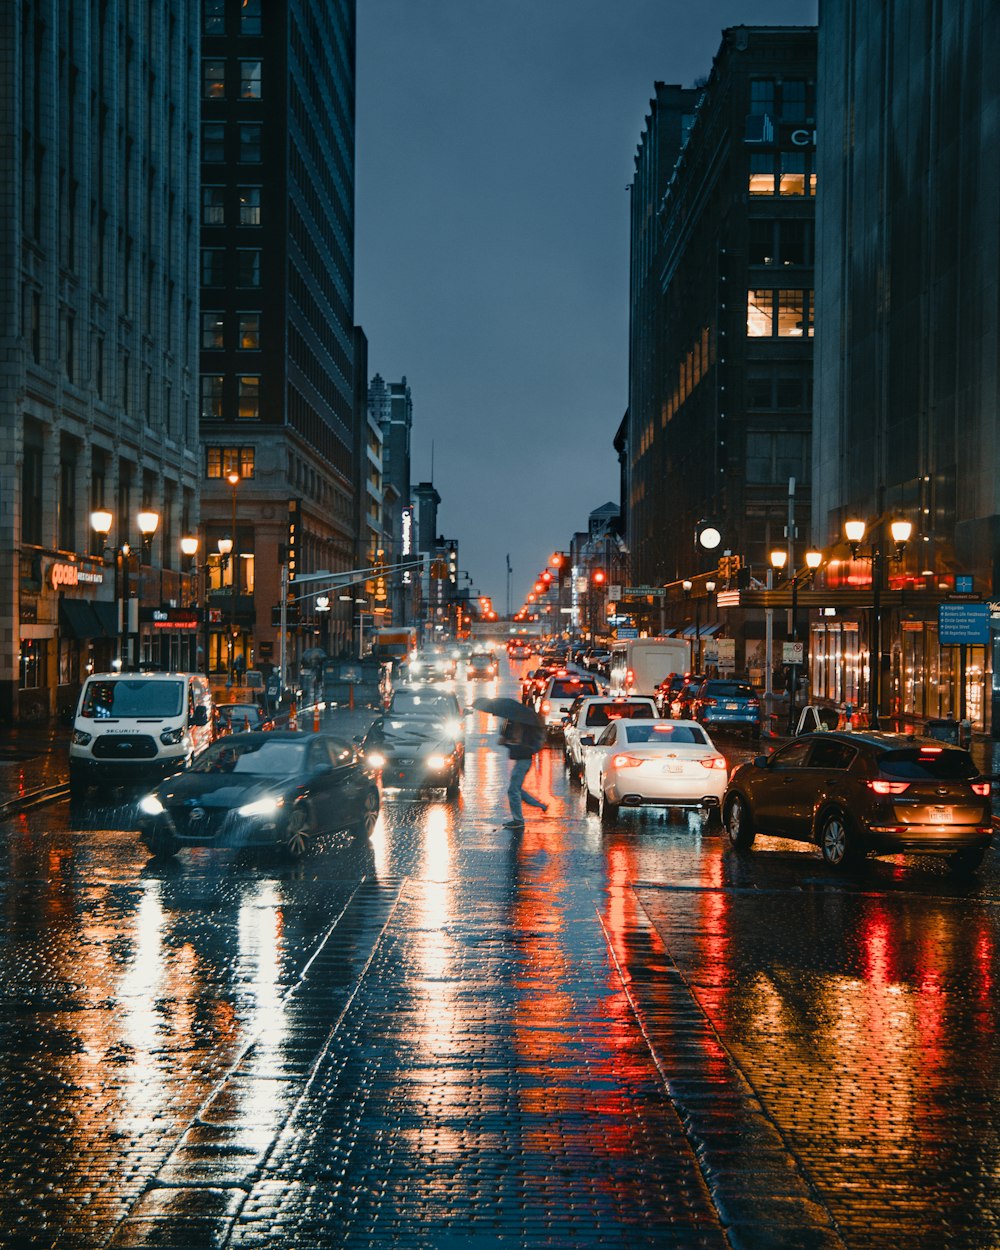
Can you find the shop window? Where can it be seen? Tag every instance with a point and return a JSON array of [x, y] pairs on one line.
[[31, 665], [213, 143], [69, 664]]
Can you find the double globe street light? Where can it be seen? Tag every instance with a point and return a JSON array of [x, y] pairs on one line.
[[101, 521]]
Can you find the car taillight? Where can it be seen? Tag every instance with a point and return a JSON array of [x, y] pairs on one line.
[[626, 761], [981, 787], [709, 702], [713, 761], [545, 706], [753, 704], [629, 677], [888, 787]]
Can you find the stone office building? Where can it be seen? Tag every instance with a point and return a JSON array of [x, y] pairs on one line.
[[98, 354]]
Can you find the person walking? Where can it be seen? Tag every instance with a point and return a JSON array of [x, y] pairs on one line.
[[523, 738]]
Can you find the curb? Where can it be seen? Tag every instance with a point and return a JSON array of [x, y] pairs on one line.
[[33, 798]]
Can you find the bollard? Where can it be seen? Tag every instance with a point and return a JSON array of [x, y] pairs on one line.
[[350, 701], [293, 716], [315, 718]]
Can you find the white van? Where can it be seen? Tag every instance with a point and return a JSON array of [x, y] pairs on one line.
[[638, 665], [130, 727]]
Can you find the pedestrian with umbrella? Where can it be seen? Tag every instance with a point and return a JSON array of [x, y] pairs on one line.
[[523, 734]]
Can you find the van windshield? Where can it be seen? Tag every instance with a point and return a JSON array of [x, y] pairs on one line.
[[138, 696]]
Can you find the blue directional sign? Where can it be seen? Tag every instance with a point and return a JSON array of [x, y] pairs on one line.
[[963, 623]]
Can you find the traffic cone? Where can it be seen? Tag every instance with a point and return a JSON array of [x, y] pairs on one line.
[[293, 716], [315, 718]]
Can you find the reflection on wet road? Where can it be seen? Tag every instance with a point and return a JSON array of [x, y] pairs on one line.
[[572, 1036]]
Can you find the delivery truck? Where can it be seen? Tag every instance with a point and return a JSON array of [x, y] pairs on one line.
[[638, 665]]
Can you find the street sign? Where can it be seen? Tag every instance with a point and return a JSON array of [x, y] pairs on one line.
[[793, 652], [639, 592], [962, 623], [963, 583], [615, 591], [624, 631], [726, 649]]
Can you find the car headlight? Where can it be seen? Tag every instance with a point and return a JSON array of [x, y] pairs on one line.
[[415, 666], [375, 759], [260, 807], [151, 805], [81, 737], [452, 727], [171, 737], [437, 762]]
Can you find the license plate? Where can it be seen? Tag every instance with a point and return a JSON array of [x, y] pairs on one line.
[[941, 816], [732, 707], [673, 768]]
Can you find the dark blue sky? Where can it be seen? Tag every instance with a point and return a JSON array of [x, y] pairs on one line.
[[495, 141]]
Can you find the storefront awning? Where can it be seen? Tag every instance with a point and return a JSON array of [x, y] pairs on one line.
[[85, 621], [705, 631]]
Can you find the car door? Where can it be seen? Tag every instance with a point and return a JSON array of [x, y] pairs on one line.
[[781, 791], [596, 756], [825, 776], [332, 783]]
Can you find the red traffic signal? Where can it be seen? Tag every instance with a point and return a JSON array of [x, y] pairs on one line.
[[599, 577]]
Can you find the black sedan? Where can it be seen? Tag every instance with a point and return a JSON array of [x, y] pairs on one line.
[[414, 753], [277, 789]]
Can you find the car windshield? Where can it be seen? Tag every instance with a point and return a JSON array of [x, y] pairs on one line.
[[665, 735], [239, 711], [570, 689], [927, 764], [480, 658], [394, 730], [274, 758], [136, 696], [604, 713], [408, 702]]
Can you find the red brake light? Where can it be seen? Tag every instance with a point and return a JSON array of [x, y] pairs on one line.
[[545, 706], [931, 750], [629, 677], [625, 761], [709, 702], [981, 787], [888, 787], [713, 761]]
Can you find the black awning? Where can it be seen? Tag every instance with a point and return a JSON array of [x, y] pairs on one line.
[[77, 620], [84, 621]]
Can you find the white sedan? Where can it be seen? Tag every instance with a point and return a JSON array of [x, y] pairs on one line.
[[660, 763]]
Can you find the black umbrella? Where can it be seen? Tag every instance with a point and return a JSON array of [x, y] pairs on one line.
[[509, 709]]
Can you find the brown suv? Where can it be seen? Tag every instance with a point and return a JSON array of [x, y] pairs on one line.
[[852, 793]]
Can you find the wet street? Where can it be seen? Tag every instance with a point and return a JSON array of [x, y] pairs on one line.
[[453, 1035]]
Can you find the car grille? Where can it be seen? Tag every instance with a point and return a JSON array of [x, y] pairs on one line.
[[198, 821], [124, 747]]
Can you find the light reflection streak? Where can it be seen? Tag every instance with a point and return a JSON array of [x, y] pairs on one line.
[[144, 1026], [260, 929]]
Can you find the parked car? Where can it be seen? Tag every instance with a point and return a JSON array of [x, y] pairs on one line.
[[554, 701], [724, 704], [413, 752], [590, 715], [481, 666], [277, 789], [240, 718], [661, 763], [855, 793], [666, 692]]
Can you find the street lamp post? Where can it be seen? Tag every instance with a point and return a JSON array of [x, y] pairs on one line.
[[229, 550], [100, 522], [854, 532], [687, 586]]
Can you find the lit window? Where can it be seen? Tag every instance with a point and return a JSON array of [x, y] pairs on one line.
[[213, 79], [249, 334], [793, 173], [791, 314], [760, 314], [761, 174], [212, 331], [213, 206], [250, 74], [249, 389], [249, 206]]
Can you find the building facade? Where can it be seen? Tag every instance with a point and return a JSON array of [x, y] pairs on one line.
[[907, 410], [277, 393], [98, 353], [721, 353], [390, 406]]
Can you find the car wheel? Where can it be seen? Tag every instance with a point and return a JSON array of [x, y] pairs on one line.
[[451, 790], [713, 818], [607, 808], [739, 824], [589, 800], [837, 843], [964, 863], [298, 831], [365, 827], [163, 846]]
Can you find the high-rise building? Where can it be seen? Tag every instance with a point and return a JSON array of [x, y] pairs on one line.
[[721, 305], [98, 354], [390, 405], [278, 420], [907, 407]]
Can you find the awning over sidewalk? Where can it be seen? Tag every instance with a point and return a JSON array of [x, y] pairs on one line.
[[705, 631], [85, 621]]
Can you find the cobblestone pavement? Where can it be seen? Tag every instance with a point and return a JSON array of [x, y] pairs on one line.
[[455, 1036]]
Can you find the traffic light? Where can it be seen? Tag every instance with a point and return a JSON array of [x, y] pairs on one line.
[[599, 577]]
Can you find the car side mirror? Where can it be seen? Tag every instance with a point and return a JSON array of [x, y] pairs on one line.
[[760, 761], [200, 715], [586, 740]]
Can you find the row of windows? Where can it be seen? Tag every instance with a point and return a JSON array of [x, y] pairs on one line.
[[214, 205], [214, 400], [249, 141], [778, 388], [775, 456], [248, 12], [213, 267], [786, 242], [221, 461], [215, 331], [213, 79], [791, 99], [782, 173], [779, 314]]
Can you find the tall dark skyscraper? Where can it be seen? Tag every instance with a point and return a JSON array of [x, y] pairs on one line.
[[277, 313]]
